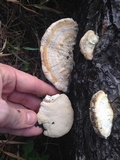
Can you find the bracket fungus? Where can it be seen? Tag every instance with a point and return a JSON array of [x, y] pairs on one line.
[[57, 52], [101, 114], [56, 115], [87, 44]]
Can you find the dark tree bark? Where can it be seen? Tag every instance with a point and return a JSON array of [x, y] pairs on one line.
[[102, 73]]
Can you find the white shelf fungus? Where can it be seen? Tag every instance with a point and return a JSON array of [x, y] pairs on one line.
[[101, 114], [87, 44], [56, 115], [57, 52]]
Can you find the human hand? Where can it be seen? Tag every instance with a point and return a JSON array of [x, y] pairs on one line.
[[19, 102]]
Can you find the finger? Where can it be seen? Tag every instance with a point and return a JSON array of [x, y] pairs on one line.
[[28, 100], [16, 118], [30, 84], [14, 79], [32, 131], [7, 80]]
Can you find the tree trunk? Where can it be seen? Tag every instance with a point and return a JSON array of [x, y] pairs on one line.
[[102, 73]]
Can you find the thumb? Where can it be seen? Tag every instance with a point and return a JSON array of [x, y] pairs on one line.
[[15, 118]]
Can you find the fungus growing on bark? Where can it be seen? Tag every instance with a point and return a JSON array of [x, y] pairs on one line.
[[56, 115], [87, 44], [57, 52], [101, 114]]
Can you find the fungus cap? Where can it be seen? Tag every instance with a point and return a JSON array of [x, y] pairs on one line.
[[88, 43], [57, 52], [56, 115], [101, 114]]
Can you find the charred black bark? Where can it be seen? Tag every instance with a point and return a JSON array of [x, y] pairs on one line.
[[102, 73]]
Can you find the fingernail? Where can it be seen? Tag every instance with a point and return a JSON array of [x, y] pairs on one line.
[[31, 118]]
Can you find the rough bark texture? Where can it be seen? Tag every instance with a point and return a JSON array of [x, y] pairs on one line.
[[103, 72]]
